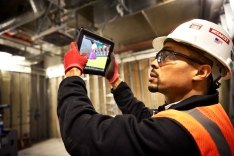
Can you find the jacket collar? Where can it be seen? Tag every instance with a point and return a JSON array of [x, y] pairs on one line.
[[193, 101]]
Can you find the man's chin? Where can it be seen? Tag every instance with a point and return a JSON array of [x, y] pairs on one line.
[[153, 89]]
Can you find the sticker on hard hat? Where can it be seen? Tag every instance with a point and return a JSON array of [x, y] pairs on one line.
[[218, 41], [220, 35], [195, 26]]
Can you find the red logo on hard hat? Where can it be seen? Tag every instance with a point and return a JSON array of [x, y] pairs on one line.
[[220, 35]]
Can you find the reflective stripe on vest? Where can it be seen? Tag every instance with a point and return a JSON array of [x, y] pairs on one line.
[[204, 123]]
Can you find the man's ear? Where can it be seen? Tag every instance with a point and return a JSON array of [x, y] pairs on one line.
[[203, 72]]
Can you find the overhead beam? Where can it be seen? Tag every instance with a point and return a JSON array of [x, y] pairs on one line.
[[134, 47]]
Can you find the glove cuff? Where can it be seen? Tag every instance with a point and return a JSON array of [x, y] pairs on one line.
[[71, 66], [114, 78]]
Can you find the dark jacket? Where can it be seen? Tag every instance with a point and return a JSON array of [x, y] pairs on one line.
[[88, 133]]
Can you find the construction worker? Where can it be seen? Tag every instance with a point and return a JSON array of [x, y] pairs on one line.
[[187, 68]]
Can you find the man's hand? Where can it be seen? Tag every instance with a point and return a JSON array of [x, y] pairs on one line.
[[72, 59], [112, 72]]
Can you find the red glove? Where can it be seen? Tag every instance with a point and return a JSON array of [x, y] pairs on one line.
[[112, 72], [72, 58]]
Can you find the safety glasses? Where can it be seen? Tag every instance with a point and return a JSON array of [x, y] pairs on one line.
[[166, 56]]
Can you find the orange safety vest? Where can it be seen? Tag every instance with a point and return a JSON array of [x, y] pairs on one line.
[[210, 127]]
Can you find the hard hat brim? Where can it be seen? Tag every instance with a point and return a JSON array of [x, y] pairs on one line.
[[159, 42]]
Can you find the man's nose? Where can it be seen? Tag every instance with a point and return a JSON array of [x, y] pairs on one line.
[[154, 64]]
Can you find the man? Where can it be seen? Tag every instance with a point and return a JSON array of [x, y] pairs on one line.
[[189, 63]]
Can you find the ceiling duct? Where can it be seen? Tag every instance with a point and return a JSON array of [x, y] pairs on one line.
[[106, 10], [211, 9], [58, 38], [227, 19], [15, 48], [11, 50], [71, 4], [232, 5], [26, 11], [144, 22]]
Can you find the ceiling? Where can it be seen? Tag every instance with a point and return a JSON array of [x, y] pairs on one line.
[[35, 28]]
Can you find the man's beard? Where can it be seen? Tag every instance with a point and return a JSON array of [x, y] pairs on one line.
[[153, 88]]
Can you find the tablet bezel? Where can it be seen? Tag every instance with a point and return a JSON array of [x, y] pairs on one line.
[[89, 69]]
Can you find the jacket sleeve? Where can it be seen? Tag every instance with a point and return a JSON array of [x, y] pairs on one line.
[[88, 133], [128, 104]]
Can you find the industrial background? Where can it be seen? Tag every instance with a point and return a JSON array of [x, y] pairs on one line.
[[35, 34]]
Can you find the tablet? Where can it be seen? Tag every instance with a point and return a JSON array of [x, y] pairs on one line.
[[98, 50]]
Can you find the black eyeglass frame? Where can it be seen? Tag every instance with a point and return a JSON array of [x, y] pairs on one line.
[[159, 59]]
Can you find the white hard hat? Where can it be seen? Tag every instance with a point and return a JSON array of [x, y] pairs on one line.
[[209, 38]]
